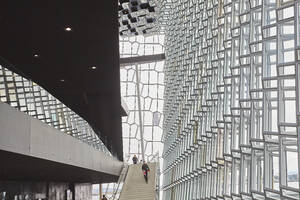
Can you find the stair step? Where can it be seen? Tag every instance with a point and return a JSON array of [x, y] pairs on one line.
[[135, 188]]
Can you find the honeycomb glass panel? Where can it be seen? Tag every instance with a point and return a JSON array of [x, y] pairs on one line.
[[151, 85]]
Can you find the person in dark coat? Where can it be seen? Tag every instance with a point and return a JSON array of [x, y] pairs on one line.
[[104, 197], [134, 159], [145, 169]]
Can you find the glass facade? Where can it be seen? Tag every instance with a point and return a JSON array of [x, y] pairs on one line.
[[30, 98], [231, 110], [137, 17], [151, 84]]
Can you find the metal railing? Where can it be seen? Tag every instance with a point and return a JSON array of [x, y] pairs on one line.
[[119, 185], [156, 159]]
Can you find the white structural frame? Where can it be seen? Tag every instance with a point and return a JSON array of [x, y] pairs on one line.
[[142, 88], [232, 106]]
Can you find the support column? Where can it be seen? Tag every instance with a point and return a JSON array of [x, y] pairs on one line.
[[73, 191], [140, 110], [100, 191]]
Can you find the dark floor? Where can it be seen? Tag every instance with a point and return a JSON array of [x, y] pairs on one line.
[[42, 190]]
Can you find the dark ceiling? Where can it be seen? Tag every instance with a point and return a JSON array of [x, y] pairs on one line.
[[34, 42]]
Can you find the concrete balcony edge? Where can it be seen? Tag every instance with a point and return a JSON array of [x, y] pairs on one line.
[[29, 139]]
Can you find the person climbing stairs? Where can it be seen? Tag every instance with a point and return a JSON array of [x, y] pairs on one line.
[[135, 187]]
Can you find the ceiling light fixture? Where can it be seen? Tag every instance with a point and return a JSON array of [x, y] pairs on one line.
[[62, 80], [68, 29], [93, 67], [36, 55]]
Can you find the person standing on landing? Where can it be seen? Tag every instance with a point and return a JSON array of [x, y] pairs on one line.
[[134, 159], [145, 169]]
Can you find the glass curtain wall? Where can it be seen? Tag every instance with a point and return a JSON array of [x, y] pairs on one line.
[[231, 110], [30, 98], [151, 83]]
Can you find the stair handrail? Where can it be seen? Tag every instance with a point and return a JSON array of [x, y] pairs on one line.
[[121, 179], [156, 159]]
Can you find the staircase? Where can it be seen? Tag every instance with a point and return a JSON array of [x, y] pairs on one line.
[[135, 187]]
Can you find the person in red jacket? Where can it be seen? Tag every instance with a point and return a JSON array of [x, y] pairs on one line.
[[145, 169]]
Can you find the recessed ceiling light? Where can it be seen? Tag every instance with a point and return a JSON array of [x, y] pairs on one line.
[[68, 29], [36, 55], [62, 80], [94, 67]]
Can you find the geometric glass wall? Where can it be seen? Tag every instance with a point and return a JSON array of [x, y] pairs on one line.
[[232, 105], [151, 83], [30, 98]]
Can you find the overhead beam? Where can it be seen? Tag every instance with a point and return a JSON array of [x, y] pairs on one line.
[[141, 59]]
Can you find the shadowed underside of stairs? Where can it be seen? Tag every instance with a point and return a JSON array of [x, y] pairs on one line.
[[135, 187]]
